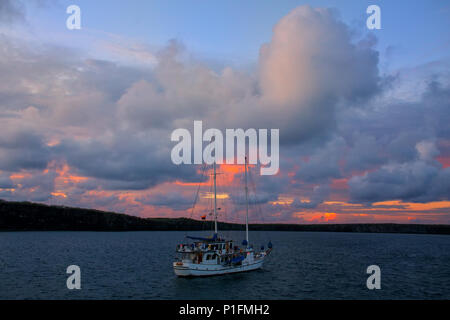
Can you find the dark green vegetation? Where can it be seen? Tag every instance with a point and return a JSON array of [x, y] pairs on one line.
[[26, 216]]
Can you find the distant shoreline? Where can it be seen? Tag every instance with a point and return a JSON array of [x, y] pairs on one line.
[[27, 216]]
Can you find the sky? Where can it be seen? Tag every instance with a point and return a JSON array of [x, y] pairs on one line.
[[86, 115]]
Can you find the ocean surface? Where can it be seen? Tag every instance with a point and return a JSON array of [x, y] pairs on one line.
[[303, 265]]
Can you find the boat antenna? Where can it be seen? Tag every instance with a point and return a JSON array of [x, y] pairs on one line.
[[246, 201], [215, 200]]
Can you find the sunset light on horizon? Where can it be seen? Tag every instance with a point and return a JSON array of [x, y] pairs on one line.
[[363, 115]]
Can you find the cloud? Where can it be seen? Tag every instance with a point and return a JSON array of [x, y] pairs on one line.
[[22, 149], [11, 11], [110, 122], [173, 200], [14, 12], [126, 161], [319, 195], [323, 164], [5, 181], [427, 150], [406, 135], [364, 152], [259, 198], [310, 65], [37, 186], [416, 181], [421, 180]]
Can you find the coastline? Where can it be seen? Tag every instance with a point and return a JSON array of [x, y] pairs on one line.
[[27, 216]]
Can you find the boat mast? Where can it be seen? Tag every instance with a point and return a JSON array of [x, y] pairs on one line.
[[246, 201], [215, 200]]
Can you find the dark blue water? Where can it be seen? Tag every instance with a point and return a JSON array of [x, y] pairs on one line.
[[303, 265]]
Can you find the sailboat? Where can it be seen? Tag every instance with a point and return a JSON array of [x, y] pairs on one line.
[[215, 255]]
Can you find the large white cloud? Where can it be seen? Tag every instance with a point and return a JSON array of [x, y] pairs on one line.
[[309, 66]]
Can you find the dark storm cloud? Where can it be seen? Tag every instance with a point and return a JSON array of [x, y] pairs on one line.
[[126, 162], [402, 149], [415, 182], [398, 125], [323, 164], [22, 150], [365, 153]]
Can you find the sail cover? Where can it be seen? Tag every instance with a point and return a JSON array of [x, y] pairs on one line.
[[213, 238]]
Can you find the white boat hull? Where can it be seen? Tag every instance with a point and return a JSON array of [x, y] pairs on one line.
[[199, 270]]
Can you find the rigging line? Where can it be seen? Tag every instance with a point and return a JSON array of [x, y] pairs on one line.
[[222, 213], [196, 196], [206, 222], [197, 193], [258, 205], [211, 200], [227, 232], [241, 203], [221, 190]]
